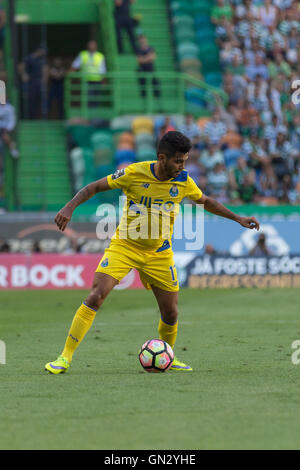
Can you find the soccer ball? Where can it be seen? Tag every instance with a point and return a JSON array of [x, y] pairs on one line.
[[156, 356]]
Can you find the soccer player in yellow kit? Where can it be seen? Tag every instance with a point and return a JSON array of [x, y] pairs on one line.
[[143, 238]]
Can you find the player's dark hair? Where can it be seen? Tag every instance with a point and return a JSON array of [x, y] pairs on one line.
[[173, 142]]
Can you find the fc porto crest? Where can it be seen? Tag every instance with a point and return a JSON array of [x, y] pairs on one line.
[[174, 191], [104, 263]]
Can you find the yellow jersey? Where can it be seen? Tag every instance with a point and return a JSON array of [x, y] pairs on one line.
[[151, 205]]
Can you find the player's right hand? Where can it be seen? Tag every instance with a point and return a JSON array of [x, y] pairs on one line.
[[63, 218]]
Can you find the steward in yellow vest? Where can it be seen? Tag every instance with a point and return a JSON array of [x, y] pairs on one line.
[[91, 65], [91, 62]]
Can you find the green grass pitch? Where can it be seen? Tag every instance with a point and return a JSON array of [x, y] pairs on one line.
[[243, 393]]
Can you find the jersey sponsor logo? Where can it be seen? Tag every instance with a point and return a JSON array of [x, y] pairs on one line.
[[104, 263], [145, 185], [118, 173], [149, 202], [174, 191]]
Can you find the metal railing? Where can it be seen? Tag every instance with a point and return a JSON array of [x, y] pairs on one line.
[[120, 93]]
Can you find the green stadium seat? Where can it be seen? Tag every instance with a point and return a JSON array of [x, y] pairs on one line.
[[144, 139], [121, 123], [145, 153], [205, 35], [202, 6], [184, 35], [190, 64], [209, 49], [81, 134], [202, 21], [213, 78], [184, 21], [181, 7], [103, 155], [101, 138], [78, 167], [197, 96], [188, 50], [104, 170]]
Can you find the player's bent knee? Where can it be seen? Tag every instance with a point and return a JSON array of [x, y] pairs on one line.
[[170, 316], [95, 298]]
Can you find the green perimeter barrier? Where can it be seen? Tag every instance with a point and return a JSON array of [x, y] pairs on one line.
[[120, 93]]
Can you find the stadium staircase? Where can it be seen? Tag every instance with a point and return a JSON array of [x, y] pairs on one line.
[[154, 23], [43, 180]]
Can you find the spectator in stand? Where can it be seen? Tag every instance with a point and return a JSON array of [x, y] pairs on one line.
[[4, 247], [259, 68], [146, 57], [194, 168], [292, 47], [236, 67], [123, 22], [283, 4], [36, 247], [271, 130], [259, 43], [191, 129], [254, 152], [268, 14], [57, 73], [260, 248], [223, 31], [220, 10], [7, 125], [283, 155], [92, 64], [217, 181], [166, 127], [243, 8], [295, 132], [211, 251], [33, 72], [252, 51], [258, 100], [287, 193], [234, 86], [215, 129], [242, 183], [211, 156]]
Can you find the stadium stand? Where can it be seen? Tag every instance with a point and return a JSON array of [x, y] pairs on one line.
[[228, 64], [43, 182]]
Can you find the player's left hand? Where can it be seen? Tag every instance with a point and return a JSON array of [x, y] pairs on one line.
[[249, 222]]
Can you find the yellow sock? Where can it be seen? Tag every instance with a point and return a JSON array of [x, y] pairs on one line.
[[167, 332], [81, 324]]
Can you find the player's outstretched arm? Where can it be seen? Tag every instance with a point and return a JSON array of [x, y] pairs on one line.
[[65, 214], [215, 207]]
